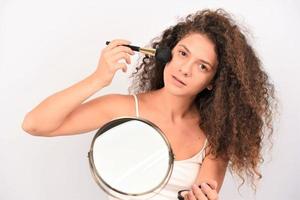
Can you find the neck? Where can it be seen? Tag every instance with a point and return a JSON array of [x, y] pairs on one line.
[[175, 108]]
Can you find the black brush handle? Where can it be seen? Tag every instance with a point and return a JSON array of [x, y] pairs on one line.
[[162, 54], [134, 48]]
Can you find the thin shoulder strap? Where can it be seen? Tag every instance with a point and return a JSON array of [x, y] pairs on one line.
[[205, 143], [204, 149], [136, 105]]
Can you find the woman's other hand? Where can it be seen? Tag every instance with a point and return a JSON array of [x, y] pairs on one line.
[[205, 191]]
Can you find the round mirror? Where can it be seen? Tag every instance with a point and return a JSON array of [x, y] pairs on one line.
[[130, 158]]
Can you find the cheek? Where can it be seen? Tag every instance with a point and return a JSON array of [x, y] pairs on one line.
[[168, 69], [166, 72], [201, 83], [174, 63], [199, 86]]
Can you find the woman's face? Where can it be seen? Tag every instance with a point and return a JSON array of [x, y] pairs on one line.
[[192, 67]]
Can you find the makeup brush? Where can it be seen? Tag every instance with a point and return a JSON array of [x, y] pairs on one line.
[[162, 54]]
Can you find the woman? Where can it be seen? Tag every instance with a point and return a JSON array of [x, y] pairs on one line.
[[212, 100]]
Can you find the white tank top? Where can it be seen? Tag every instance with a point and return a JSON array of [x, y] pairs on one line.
[[184, 172]]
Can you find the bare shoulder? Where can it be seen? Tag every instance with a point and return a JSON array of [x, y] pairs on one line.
[[117, 104], [146, 98]]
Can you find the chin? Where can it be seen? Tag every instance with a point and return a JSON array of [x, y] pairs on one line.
[[174, 90]]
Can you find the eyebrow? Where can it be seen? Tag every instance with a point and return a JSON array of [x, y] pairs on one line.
[[199, 59]]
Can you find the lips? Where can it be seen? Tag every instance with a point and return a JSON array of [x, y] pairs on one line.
[[178, 80]]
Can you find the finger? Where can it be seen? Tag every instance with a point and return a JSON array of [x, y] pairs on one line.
[[198, 193], [121, 66], [121, 49], [117, 42], [212, 183], [183, 193], [211, 193], [191, 196], [121, 55], [186, 196]]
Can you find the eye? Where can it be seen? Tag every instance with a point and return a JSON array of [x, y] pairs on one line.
[[182, 53], [203, 67]]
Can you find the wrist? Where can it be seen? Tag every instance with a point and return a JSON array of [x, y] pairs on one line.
[[97, 81]]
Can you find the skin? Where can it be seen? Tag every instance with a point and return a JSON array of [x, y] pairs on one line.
[[66, 113], [188, 65]]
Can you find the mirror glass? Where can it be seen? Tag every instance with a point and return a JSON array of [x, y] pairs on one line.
[[131, 157]]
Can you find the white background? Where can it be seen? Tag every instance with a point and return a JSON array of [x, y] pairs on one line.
[[46, 46]]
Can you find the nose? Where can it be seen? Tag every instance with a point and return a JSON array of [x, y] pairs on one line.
[[186, 68]]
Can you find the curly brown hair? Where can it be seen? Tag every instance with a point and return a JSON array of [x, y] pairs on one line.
[[237, 113]]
